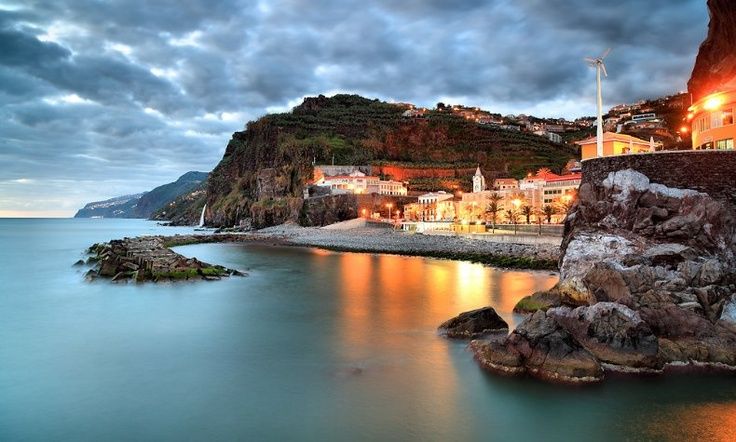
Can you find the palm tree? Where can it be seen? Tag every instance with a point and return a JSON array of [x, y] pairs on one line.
[[549, 210], [567, 201], [527, 212], [513, 217], [493, 208]]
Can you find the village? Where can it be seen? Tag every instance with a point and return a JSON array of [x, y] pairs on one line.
[[537, 203]]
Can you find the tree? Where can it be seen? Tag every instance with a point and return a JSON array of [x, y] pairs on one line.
[[567, 200], [493, 208], [527, 212], [512, 216], [548, 211]]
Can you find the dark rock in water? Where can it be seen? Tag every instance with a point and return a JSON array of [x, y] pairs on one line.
[[473, 324], [90, 275], [79, 263], [149, 258], [542, 348]]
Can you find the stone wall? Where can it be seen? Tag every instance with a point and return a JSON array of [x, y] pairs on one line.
[[709, 171]]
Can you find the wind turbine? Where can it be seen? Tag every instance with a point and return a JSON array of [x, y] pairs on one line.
[[599, 66]]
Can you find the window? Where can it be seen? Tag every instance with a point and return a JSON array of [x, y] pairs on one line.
[[703, 124], [727, 117], [726, 144]]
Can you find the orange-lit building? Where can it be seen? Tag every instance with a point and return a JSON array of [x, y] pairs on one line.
[[613, 144], [712, 119]]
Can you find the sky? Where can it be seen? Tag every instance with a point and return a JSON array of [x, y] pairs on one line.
[[100, 98]]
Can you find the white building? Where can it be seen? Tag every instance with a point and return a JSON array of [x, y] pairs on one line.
[[479, 181], [359, 183]]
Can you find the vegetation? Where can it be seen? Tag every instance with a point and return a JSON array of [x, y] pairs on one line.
[[529, 304], [349, 129]]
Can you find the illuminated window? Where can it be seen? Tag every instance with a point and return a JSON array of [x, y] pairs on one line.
[[702, 124], [727, 116], [726, 144]]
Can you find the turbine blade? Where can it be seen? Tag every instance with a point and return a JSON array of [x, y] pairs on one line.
[[589, 60], [605, 54], [603, 66]]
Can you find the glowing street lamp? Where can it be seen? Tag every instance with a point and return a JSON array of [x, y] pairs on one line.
[[713, 103]]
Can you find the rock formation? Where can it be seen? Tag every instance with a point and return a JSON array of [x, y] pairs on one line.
[[647, 281], [149, 258], [716, 62], [473, 324]]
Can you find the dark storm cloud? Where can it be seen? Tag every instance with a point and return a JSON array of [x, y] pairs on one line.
[[104, 98]]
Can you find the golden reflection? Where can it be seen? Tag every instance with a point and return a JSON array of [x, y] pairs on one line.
[[701, 422], [388, 304], [321, 252]]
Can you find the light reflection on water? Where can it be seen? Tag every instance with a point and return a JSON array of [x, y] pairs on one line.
[[312, 345]]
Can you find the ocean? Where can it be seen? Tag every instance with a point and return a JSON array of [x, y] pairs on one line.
[[311, 345]]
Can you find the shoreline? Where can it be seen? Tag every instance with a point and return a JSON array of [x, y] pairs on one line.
[[121, 259], [388, 241]]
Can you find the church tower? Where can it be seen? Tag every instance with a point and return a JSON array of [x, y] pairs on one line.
[[479, 181]]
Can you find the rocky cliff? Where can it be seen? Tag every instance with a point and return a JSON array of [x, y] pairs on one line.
[[716, 61], [262, 175], [647, 282], [146, 204], [118, 207]]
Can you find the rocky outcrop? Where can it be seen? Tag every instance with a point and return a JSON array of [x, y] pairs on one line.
[[647, 282], [473, 324], [716, 62], [149, 258]]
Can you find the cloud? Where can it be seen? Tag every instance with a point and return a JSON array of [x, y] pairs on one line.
[[106, 98]]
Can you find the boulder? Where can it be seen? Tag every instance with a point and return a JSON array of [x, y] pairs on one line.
[[605, 282], [728, 314], [613, 333], [474, 323], [542, 348]]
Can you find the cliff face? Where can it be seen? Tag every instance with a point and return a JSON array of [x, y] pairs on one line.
[[647, 278], [148, 204], [716, 61], [262, 175], [118, 207], [164, 195]]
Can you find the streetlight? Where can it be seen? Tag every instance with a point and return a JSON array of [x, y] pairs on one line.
[[516, 202], [364, 212]]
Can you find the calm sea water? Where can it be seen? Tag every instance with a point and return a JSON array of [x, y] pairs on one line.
[[312, 345]]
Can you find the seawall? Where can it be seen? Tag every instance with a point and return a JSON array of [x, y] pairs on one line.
[[709, 171]]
